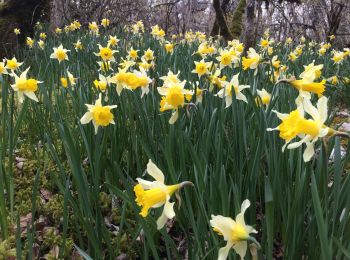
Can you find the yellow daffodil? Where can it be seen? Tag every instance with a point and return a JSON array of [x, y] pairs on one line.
[[93, 27], [225, 59], [132, 81], [126, 64], [338, 57], [199, 95], [265, 43], [334, 80], [102, 83], [169, 47], [3, 68], [202, 68], [226, 92], [78, 45], [171, 78], [307, 84], [13, 64], [155, 194], [148, 55], [289, 40], [309, 130], [25, 87], [132, 54], [113, 41], [43, 36], [17, 31], [322, 51], [41, 44], [105, 22], [292, 56], [216, 80], [275, 62], [29, 42], [252, 60], [314, 70], [264, 96], [58, 30], [64, 82], [235, 232], [98, 114], [173, 98], [106, 53], [59, 54], [157, 32]]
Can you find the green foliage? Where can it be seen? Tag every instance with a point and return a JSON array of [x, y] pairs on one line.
[[300, 209]]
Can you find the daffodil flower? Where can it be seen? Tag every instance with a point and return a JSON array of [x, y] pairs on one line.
[[155, 194], [202, 68], [173, 98], [225, 59], [98, 114], [106, 53], [235, 232], [13, 64], [59, 53], [309, 130], [24, 86], [226, 92], [171, 78], [252, 60], [113, 41], [132, 54], [264, 96], [102, 82], [3, 68], [105, 22]]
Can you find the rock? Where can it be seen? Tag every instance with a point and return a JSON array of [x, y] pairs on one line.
[[343, 113], [345, 127]]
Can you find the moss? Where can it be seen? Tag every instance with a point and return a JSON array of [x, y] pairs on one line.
[[53, 209], [52, 238], [237, 20], [7, 248]]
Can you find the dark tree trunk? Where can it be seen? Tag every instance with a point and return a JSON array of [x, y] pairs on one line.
[[220, 17]]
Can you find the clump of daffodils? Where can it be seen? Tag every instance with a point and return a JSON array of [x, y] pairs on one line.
[[235, 232], [132, 80], [101, 116], [155, 194]]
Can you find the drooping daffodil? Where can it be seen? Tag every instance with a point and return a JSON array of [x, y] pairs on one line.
[[155, 194]]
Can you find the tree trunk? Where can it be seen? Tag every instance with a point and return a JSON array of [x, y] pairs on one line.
[[224, 31], [249, 25]]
